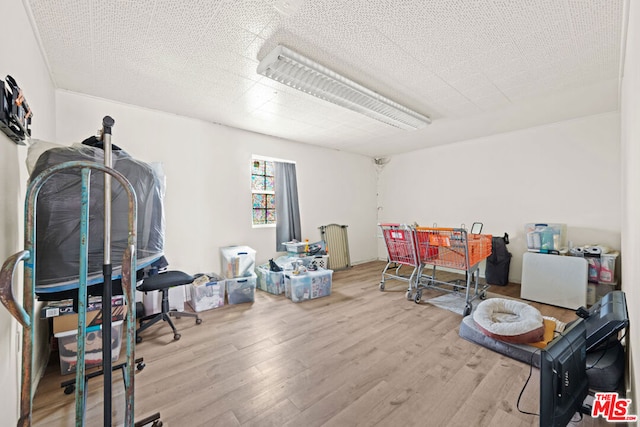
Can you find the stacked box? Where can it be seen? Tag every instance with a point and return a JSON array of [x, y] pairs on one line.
[[545, 237], [64, 307], [241, 289], [68, 322], [68, 347], [237, 261], [309, 285], [296, 247], [207, 292], [270, 281]]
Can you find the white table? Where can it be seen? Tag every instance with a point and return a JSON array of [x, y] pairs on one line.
[[554, 279]]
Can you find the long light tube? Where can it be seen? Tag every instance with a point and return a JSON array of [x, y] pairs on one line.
[[288, 67]]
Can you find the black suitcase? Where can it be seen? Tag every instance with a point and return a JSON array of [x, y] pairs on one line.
[[497, 269]]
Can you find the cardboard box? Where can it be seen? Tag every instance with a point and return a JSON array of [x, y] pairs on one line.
[[68, 347], [69, 322], [63, 307]]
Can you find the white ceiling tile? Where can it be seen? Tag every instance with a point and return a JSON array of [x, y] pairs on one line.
[[449, 59]]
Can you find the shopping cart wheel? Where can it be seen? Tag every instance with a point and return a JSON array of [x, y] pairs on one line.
[[417, 297], [408, 295], [483, 295], [198, 321], [467, 309], [381, 287]]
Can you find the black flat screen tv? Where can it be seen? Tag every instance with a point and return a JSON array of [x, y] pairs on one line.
[[606, 317], [563, 377]]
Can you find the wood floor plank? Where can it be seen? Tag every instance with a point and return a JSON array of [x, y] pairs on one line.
[[358, 357]]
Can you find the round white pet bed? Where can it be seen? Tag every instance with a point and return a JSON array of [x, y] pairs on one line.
[[509, 320]]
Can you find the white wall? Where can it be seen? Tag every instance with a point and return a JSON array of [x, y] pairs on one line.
[[630, 111], [208, 202], [19, 57], [566, 172]]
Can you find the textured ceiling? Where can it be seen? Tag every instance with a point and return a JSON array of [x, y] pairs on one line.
[[476, 67]]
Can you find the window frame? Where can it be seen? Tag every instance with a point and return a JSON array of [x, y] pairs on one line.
[[266, 159]]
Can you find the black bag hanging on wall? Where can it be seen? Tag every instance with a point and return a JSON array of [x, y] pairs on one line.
[[497, 270]]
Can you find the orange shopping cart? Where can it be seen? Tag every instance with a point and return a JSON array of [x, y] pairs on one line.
[[456, 249]]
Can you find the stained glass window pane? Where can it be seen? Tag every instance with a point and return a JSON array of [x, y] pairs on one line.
[[271, 201], [263, 182], [269, 183], [258, 200], [271, 216], [269, 168], [258, 216], [257, 182], [258, 167]]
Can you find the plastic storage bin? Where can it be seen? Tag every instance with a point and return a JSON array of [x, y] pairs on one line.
[[207, 292], [320, 261], [237, 261], [241, 289], [546, 237], [270, 281], [309, 285], [68, 347], [607, 272], [296, 247]]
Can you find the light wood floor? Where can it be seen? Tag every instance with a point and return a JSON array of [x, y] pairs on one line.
[[357, 357]]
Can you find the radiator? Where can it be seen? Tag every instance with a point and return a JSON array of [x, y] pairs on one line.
[[335, 236]]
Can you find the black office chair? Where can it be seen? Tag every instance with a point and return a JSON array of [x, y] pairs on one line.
[[162, 282]]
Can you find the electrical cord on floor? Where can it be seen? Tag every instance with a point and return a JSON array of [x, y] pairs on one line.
[[525, 386]]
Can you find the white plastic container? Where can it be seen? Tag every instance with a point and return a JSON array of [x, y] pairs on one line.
[[207, 295], [68, 347], [607, 273], [546, 237], [241, 289], [309, 285], [270, 281], [237, 261]]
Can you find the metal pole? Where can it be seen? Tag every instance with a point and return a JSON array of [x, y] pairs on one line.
[[107, 124]]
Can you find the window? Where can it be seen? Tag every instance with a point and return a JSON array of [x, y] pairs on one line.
[[263, 195]]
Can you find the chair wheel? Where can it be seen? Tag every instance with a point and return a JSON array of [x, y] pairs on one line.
[[198, 321], [176, 337], [140, 366], [138, 339], [69, 389]]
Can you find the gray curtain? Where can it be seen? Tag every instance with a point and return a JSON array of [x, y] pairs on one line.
[[287, 210]]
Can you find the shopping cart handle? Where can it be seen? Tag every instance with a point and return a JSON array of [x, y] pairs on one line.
[[6, 292]]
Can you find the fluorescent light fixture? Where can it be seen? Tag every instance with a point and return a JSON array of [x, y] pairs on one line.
[[288, 67]]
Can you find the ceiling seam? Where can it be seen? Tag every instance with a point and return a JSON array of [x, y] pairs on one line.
[[36, 33]]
